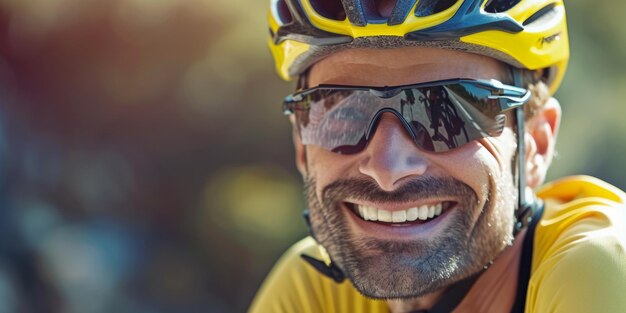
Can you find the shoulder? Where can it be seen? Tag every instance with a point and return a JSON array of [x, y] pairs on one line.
[[579, 260], [578, 210], [295, 286]]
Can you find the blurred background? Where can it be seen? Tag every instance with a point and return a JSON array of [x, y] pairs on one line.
[[145, 165]]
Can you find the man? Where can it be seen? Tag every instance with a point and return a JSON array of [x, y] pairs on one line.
[[421, 129]]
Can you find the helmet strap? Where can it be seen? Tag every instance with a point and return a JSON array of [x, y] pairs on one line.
[[523, 216], [525, 207], [329, 270]]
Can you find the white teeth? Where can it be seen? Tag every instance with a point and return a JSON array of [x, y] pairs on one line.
[[384, 216], [398, 216], [423, 213], [372, 213], [411, 214]]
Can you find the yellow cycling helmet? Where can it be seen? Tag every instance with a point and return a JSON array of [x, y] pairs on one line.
[[530, 34]]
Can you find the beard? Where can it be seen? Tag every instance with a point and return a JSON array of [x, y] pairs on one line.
[[392, 269]]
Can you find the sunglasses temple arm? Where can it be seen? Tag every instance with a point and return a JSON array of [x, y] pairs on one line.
[[519, 114], [525, 209], [507, 102]]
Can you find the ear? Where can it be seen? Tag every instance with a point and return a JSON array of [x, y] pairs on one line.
[[299, 147], [541, 132]]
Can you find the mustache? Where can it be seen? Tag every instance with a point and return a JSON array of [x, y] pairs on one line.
[[412, 190]]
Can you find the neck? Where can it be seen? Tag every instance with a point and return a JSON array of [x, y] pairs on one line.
[[494, 291], [421, 303]]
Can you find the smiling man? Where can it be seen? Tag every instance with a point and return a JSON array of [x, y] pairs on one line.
[[421, 129]]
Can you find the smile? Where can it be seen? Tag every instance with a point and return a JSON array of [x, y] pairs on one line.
[[423, 213], [419, 214]]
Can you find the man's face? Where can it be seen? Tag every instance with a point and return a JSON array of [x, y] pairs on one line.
[[472, 185]]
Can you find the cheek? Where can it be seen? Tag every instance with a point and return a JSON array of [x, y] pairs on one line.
[[502, 149], [327, 167], [480, 161], [472, 164], [497, 152], [475, 163]]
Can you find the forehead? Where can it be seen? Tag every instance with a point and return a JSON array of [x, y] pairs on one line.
[[388, 67]]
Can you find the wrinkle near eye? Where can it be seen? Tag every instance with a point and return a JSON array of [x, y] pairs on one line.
[[502, 148]]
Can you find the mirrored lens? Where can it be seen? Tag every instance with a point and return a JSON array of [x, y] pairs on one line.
[[337, 121], [438, 118]]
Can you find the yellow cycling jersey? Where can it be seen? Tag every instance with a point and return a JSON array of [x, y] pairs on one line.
[[578, 261]]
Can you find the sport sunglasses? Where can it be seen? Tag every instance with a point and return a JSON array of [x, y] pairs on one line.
[[439, 116]]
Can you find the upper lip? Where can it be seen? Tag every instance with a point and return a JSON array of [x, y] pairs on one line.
[[398, 206]]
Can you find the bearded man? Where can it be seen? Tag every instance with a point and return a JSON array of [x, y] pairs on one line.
[[421, 129]]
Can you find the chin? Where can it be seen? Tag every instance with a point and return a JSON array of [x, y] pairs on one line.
[[457, 245]]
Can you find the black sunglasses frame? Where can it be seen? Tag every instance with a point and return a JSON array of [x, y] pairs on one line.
[[506, 97], [509, 97]]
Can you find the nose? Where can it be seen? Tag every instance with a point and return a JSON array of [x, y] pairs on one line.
[[391, 155]]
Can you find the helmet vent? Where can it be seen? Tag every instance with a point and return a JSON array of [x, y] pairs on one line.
[[331, 9], [377, 12], [283, 12], [498, 6], [430, 7], [545, 12]]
